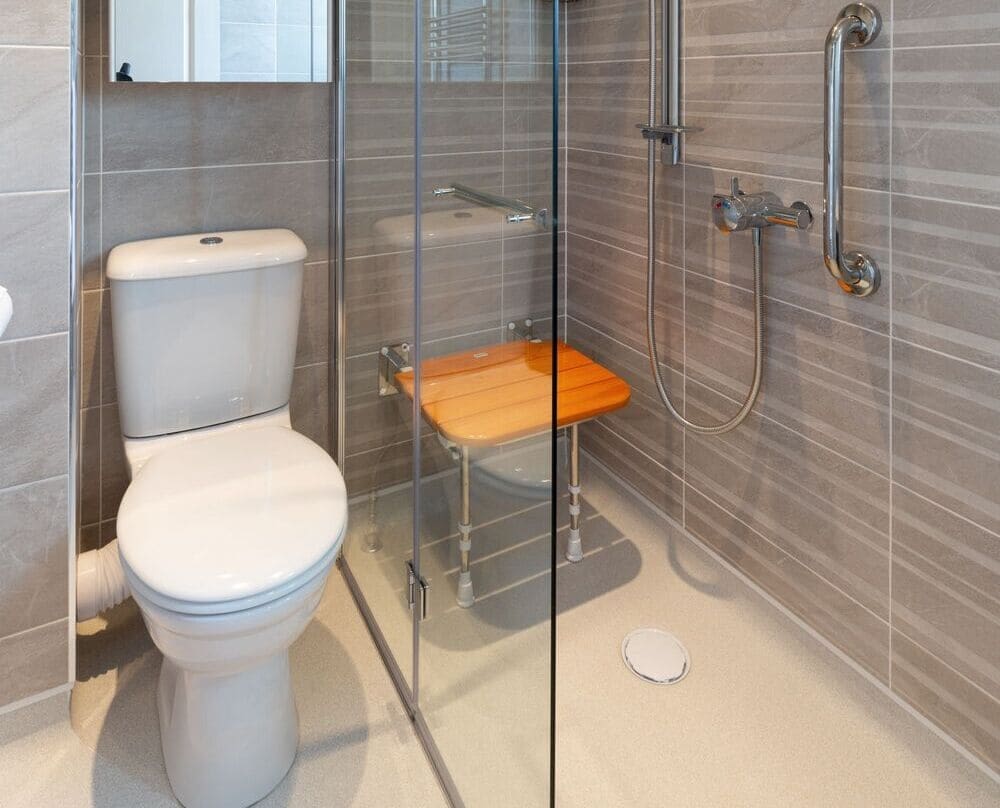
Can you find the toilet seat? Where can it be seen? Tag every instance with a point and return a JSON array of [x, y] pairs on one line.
[[229, 522]]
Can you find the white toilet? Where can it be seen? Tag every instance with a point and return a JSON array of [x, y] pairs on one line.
[[232, 520]]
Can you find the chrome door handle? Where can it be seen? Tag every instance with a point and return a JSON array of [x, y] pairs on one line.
[[857, 273]]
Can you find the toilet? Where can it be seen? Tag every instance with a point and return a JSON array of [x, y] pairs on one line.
[[232, 520]]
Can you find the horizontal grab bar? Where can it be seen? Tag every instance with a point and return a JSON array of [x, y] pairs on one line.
[[856, 272], [517, 211]]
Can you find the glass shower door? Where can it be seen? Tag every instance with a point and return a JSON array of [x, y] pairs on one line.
[[486, 309]]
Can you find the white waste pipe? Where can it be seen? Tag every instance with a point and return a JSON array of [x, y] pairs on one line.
[[100, 581]]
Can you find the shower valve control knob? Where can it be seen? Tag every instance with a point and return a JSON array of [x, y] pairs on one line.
[[738, 210]]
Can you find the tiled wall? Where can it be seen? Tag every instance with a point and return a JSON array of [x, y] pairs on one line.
[[863, 492], [36, 56], [491, 132], [166, 159], [269, 40]]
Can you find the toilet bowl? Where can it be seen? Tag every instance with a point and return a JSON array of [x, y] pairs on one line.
[[232, 520], [226, 543]]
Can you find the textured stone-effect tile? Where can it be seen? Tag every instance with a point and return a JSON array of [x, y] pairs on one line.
[[94, 71], [33, 558], [863, 636], [825, 379], [309, 403], [33, 661], [644, 421], [91, 256], [246, 123], [94, 14], [42, 22], [90, 466], [109, 383], [594, 89], [795, 494], [34, 254], [793, 260], [607, 291], [34, 130], [34, 416], [141, 205], [952, 702], [527, 278], [114, 473], [458, 116], [946, 123], [313, 344], [946, 587], [393, 464], [649, 478], [946, 280], [946, 432], [527, 107], [610, 31], [607, 203], [723, 27], [90, 348], [763, 114], [379, 30], [957, 22], [460, 294]]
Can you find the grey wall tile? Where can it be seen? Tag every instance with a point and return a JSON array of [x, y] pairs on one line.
[[34, 415], [114, 474], [825, 378], [94, 70], [460, 294], [842, 620], [957, 22], [952, 702], [946, 432], [33, 661], [41, 22], [946, 123], [594, 89], [314, 324], [90, 466], [946, 587], [34, 131], [527, 277], [764, 114], [309, 403], [90, 348], [610, 31], [781, 484], [33, 560], [607, 200], [946, 279], [379, 30], [644, 422], [34, 254], [246, 123], [231, 198], [649, 478], [608, 291], [89, 213], [94, 13], [722, 27]]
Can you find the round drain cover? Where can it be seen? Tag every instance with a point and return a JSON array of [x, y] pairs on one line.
[[655, 656]]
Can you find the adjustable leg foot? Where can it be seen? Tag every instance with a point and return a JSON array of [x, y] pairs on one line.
[[574, 550], [465, 597]]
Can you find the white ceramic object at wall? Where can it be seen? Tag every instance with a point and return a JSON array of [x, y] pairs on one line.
[[442, 228], [204, 331], [230, 527]]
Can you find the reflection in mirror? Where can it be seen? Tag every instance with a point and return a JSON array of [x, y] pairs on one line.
[[220, 40]]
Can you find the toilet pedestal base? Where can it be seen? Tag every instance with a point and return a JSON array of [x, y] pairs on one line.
[[228, 739]]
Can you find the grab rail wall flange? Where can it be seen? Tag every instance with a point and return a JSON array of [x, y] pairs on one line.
[[857, 25]]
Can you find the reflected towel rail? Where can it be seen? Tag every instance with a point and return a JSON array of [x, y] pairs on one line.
[[517, 211]]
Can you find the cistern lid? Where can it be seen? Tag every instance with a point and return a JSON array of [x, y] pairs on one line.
[[232, 517], [204, 254]]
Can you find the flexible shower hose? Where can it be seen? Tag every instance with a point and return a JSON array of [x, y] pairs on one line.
[[758, 279]]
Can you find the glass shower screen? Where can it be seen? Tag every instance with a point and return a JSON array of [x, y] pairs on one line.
[[450, 293]]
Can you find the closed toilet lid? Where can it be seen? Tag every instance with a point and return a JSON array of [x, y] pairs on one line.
[[233, 516]]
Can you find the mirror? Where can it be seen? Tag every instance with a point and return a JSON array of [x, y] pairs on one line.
[[220, 40]]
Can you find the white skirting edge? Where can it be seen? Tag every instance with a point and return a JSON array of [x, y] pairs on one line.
[[970, 756]]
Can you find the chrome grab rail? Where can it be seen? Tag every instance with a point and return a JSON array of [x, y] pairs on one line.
[[857, 273], [517, 211]]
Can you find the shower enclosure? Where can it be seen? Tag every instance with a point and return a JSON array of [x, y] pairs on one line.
[[447, 290]]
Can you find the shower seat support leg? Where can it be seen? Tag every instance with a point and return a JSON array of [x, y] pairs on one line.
[[465, 596], [574, 549]]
